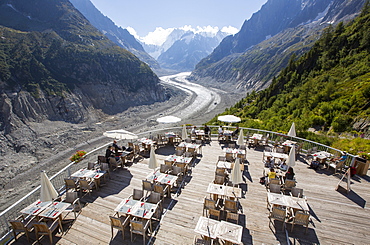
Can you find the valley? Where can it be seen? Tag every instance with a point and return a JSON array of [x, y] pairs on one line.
[[57, 140]]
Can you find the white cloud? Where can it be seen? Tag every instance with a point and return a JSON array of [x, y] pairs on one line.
[[157, 37], [133, 32], [230, 29]]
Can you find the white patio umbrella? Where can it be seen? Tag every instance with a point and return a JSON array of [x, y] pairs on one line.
[[153, 163], [240, 140], [229, 118], [292, 130], [184, 133], [236, 174], [120, 134], [291, 158], [48, 192], [168, 119]]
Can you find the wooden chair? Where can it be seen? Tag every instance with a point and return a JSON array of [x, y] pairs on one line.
[[179, 152], [301, 218], [71, 184], [297, 192], [278, 213], [72, 198], [187, 140], [164, 168], [119, 223], [193, 152], [161, 189], [231, 206], [105, 167], [139, 227], [90, 165], [22, 225], [137, 194], [155, 198], [46, 228], [214, 213], [183, 167], [232, 216], [87, 186], [221, 172], [221, 158], [220, 180], [232, 145], [114, 163], [102, 159], [241, 156], [179, 173], [147, 186], [201, 241], [229, 157], [289, 184], [209, 204], [274, 181], [167, 162], [274, 188]]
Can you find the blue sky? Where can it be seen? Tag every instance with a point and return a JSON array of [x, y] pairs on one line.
[[145, 16]]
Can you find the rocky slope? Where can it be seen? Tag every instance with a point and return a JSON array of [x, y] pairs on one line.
[[250, 59], [116, 34]]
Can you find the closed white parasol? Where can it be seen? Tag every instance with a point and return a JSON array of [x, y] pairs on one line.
[[236, 174], [48, 192], [120, 134], [153, 163], [292, 130], [291, 158], [229, 118], [240, 138], [184, 133]]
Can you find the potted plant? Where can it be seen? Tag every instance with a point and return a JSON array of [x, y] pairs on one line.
[[78, 156]]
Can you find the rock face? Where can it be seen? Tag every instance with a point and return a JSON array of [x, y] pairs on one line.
[[249, 59], [116, 34]]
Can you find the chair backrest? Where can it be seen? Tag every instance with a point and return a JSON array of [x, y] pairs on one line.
[[297, 192], [102, 159], [113, 161], [164, 168], [42, 228], [278, 213], [215, 212], [71, 197], [231, 205], [84, 184], [232, 216], [220, 171], [137, 194], [188, 154], [70, 183], [289, 183], [17, 225], [241, 156], [105, 166], [137, 226], [242, 147], [209, 204], [90, 165], [176, 170], [199, 142], [116, 222], [229, 157], [301, 218], [147, 185], [131, 145], [154, 197], [222, 158], [275, 188], [231, 145], [167, 162], [219, 179], [188, 140], [158, 188], [179, 152], [274, 181], [181, 165]]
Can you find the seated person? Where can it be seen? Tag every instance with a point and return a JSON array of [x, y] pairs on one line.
[[269, 162], [289, 174], [235, 132], [272, 174], [207, 130], [193, 131], [283, 166], [109, 152], [342, 158]]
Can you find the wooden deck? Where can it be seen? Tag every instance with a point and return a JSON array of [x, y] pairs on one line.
[[337, 217]]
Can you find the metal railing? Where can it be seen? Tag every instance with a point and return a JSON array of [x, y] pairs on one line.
[[58, 179]]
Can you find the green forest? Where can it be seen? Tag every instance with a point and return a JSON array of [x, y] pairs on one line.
[[327, 88]]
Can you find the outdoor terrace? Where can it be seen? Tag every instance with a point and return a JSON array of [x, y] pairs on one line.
[[336, 217]]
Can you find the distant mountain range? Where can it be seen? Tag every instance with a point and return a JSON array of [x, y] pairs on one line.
[[183, 49], [252, 57], [116, 34]]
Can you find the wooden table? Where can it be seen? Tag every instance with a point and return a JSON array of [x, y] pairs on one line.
[[287, 201], [163, 178], [89, 174], [35, 208], [180, 159], [224, 164], [54, 211], [225, 191], [219, 229]]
